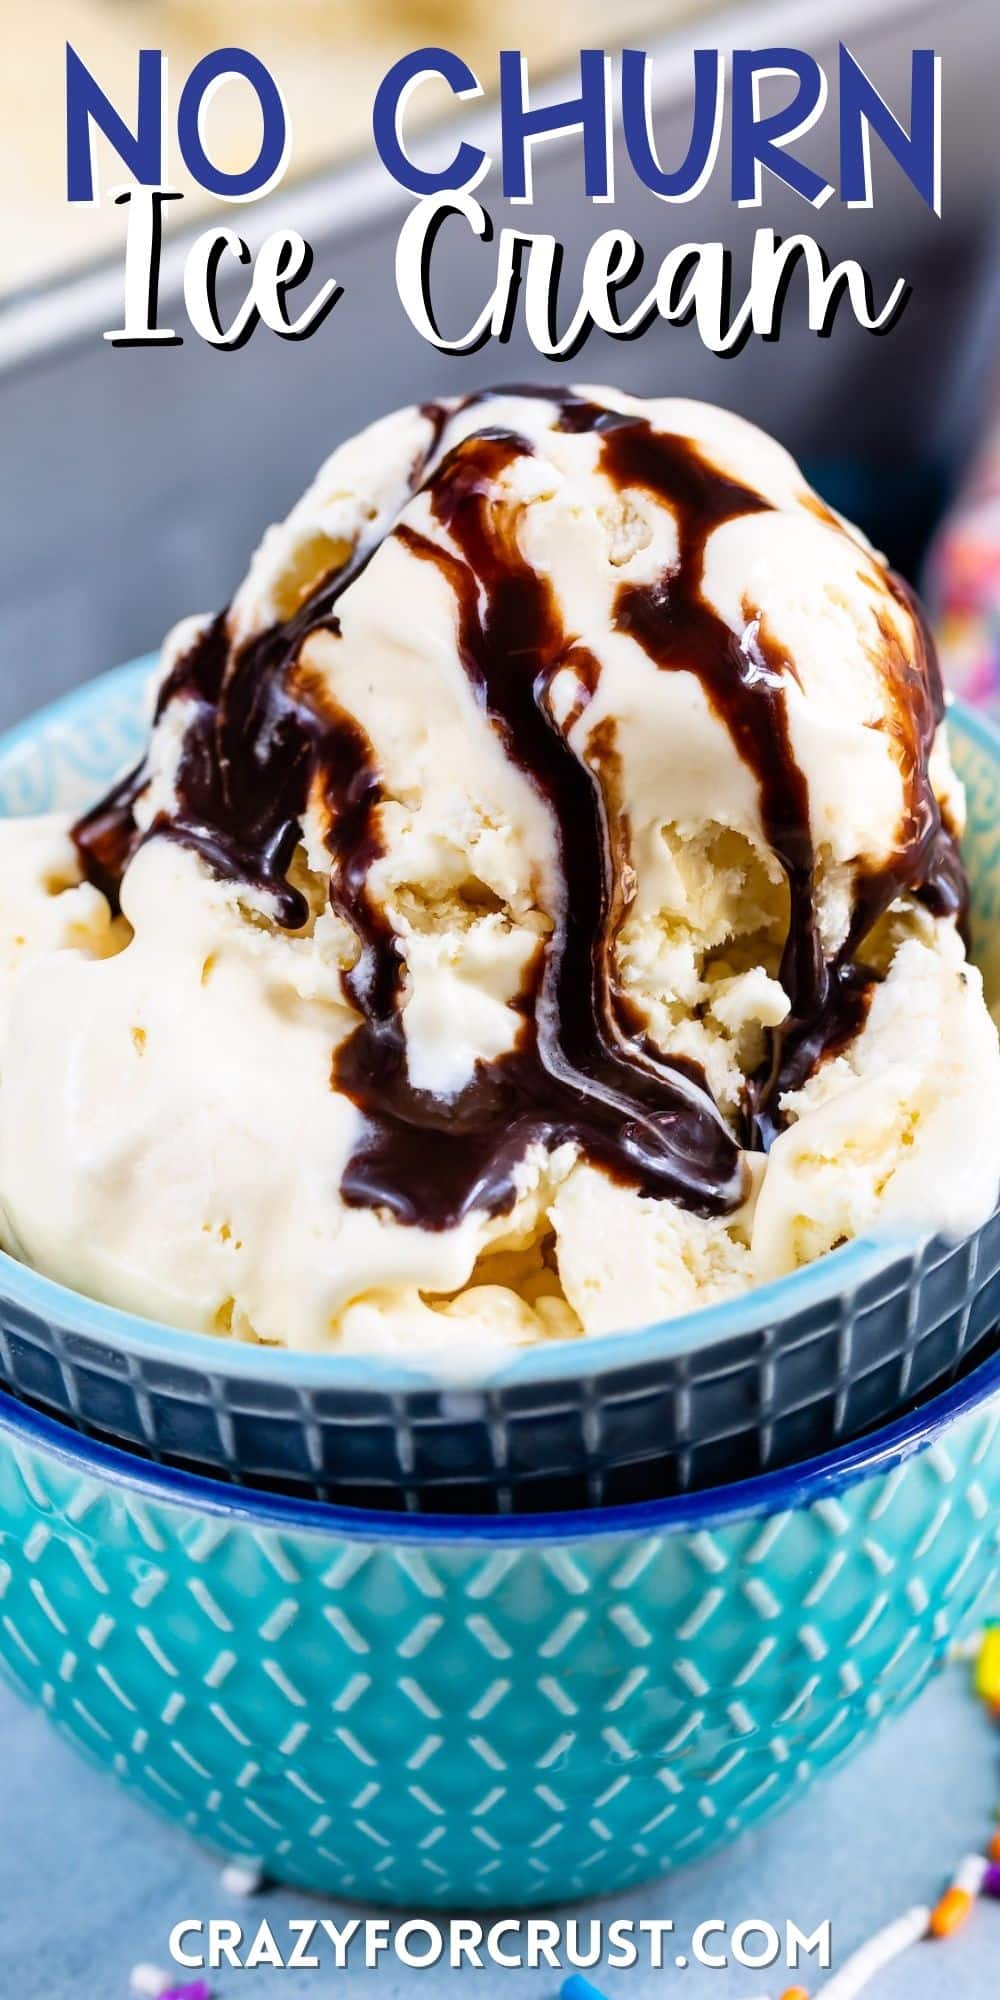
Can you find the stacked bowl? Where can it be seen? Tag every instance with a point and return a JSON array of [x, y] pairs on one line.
[[538, 1634]]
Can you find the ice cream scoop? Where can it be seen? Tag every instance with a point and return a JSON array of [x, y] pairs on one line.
[[538, 910]]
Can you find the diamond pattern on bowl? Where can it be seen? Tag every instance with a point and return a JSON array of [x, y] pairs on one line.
[[454, 1716]]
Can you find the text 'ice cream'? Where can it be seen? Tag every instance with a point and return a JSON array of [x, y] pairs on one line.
[[538, 910]]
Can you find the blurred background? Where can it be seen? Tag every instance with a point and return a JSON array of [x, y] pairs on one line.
[[137, 481], [329, 57]]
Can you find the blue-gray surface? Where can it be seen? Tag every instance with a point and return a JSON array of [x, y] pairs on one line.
[[92, 1884]]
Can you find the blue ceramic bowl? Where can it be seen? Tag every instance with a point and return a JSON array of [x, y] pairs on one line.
[[762, 1381], [482, 1712]]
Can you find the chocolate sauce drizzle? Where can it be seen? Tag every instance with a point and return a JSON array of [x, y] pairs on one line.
[[571, 1076], [262, 733], [745, 677]]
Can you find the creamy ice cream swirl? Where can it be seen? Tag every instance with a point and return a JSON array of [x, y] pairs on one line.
[[262, 735], [537, 911]]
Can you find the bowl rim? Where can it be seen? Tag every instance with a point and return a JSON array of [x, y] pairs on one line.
[[837, 1274], [786, 1489]]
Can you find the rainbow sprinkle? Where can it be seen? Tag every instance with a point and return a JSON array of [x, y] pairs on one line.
[[857, 1971], [976, 1876], [242, 1878], [963, 581], [988, 1668], [150, 1982]]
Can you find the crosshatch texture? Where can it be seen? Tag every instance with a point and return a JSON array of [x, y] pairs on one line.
[[446, 1713]]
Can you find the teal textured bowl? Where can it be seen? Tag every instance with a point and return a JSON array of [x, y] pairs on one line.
[[449, 1711], [791, 1370]]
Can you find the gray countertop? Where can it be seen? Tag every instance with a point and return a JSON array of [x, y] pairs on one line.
[[92, 1884]]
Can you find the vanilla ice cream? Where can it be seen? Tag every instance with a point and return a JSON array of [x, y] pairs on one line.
[[538, 910]]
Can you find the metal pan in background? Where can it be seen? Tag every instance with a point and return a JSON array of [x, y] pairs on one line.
[[138, 480]]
